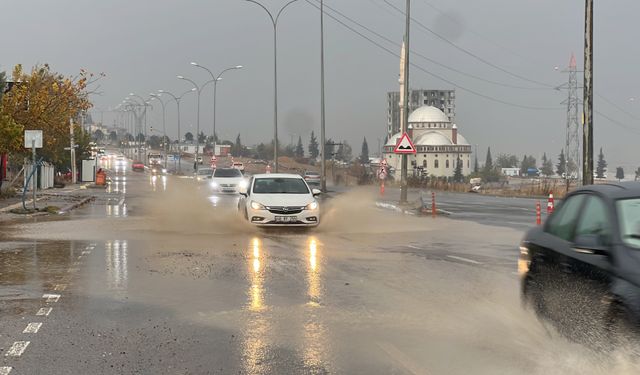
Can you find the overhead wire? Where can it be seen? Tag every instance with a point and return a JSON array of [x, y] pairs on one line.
[[471, 91]]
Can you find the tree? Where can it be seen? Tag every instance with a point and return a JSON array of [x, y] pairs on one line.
[[299, 148], [202, 138], [528, 162], [47, 101], [10, 135], [457, 174], [98, 135], [561, 167], [140, 138], [602, 165], [506, 161], [547, 166], [313, 146], [638, 174], [188, 136], [364, 154], [488, 164], [620, 173], [154, 142], [476, 167], [329, 149], [238, 148], [3, 84], [344, 153], [113, 136]]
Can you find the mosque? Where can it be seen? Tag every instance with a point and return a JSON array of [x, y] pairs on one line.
[[438, 145]]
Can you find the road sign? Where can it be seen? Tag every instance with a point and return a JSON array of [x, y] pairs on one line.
[[30, 136], [382, 173], [405, 146]]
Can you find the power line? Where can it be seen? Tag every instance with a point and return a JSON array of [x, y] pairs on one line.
[[434, 61], [612, 103], [428, 72], [467, 52]]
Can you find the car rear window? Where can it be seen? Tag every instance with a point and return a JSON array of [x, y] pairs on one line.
[[629, 217], [205, 172]]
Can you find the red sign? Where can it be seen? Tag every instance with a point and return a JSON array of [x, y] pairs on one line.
[[404, 145]]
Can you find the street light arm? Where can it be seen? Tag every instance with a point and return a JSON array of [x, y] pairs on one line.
[[283, 8], [202, 67], [273, 21], [192, 82]]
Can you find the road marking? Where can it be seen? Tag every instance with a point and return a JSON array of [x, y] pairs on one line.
[[60, 287], [51, 297], [402, 359], [32, 328], [17, 349], [415, 247], [85, 252], [73, 269], [44, 311], [5, 370], [463, 259]]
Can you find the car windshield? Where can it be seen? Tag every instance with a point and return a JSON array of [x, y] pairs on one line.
[[629, 217], [205, 172], [227, 172], [280, 185]]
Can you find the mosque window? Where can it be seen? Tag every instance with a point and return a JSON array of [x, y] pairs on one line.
[[446, 165], [435, 163]]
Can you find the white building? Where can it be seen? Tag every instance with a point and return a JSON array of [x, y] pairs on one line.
[[438, 144]]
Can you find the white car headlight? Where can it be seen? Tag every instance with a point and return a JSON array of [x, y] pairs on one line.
[[311, 206], [214, 184], [243, 184], [257, 206]]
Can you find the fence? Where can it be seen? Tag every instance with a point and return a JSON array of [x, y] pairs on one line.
[[46, 174]]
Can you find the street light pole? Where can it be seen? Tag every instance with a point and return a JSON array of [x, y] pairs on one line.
[[215, 80], [199, 90], [323, 163], [164, 126], [178, 99], [274, 22]]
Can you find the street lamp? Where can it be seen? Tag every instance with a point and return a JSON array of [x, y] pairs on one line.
[[274, 22], [164, 125], [178, 99], [199, 91], [215, 90]]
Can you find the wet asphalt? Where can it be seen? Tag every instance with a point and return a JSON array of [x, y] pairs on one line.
[[159, 276]]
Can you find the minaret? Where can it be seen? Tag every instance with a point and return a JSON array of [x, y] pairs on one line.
[[402, 98]]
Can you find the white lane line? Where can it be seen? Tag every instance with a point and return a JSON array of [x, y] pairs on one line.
[[17, 348], [85, 252], [463, 259], [44, 311], [60, 287], [5, 370], [415, 247], [32, 328], [402, 359], [51, 297]]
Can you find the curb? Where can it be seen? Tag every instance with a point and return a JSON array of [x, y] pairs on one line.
[[409, 211], [75, 205]]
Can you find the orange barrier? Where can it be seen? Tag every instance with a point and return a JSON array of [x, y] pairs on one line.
[[538, 213]]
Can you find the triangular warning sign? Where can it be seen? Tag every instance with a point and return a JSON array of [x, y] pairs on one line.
[[404, 145]]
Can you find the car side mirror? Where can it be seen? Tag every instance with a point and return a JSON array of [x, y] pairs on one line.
[[242, 190], [316, 192]]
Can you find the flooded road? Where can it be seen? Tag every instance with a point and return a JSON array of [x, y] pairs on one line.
[[160, 276]]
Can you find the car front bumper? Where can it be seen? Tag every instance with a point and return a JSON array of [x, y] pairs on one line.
[[265, 218]]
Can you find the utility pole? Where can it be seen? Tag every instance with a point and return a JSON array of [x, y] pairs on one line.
[[587, 135], [323, 140], [405, 115]]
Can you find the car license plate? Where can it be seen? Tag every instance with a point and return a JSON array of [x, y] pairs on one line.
[[286, 219]]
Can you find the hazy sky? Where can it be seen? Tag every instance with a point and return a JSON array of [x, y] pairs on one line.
[[142, 45]]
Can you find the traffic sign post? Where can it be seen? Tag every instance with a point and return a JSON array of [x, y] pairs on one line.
[[33, 140]]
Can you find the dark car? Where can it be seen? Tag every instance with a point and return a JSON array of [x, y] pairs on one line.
[[581, 270]]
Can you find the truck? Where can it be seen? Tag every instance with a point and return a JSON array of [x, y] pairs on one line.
[[155, 159]]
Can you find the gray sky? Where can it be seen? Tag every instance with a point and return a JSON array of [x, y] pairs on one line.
[[142, 45]]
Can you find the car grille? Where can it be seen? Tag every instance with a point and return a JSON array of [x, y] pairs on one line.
[[228, 185], [285, 210]]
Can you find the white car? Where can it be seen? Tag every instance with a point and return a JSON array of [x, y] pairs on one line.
[[204, 174], [228, 180], [278, 199]]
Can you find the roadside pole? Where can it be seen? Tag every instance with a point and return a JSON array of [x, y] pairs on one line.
[[35, 173], [405, 119], [587, 131], [72, 146]]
